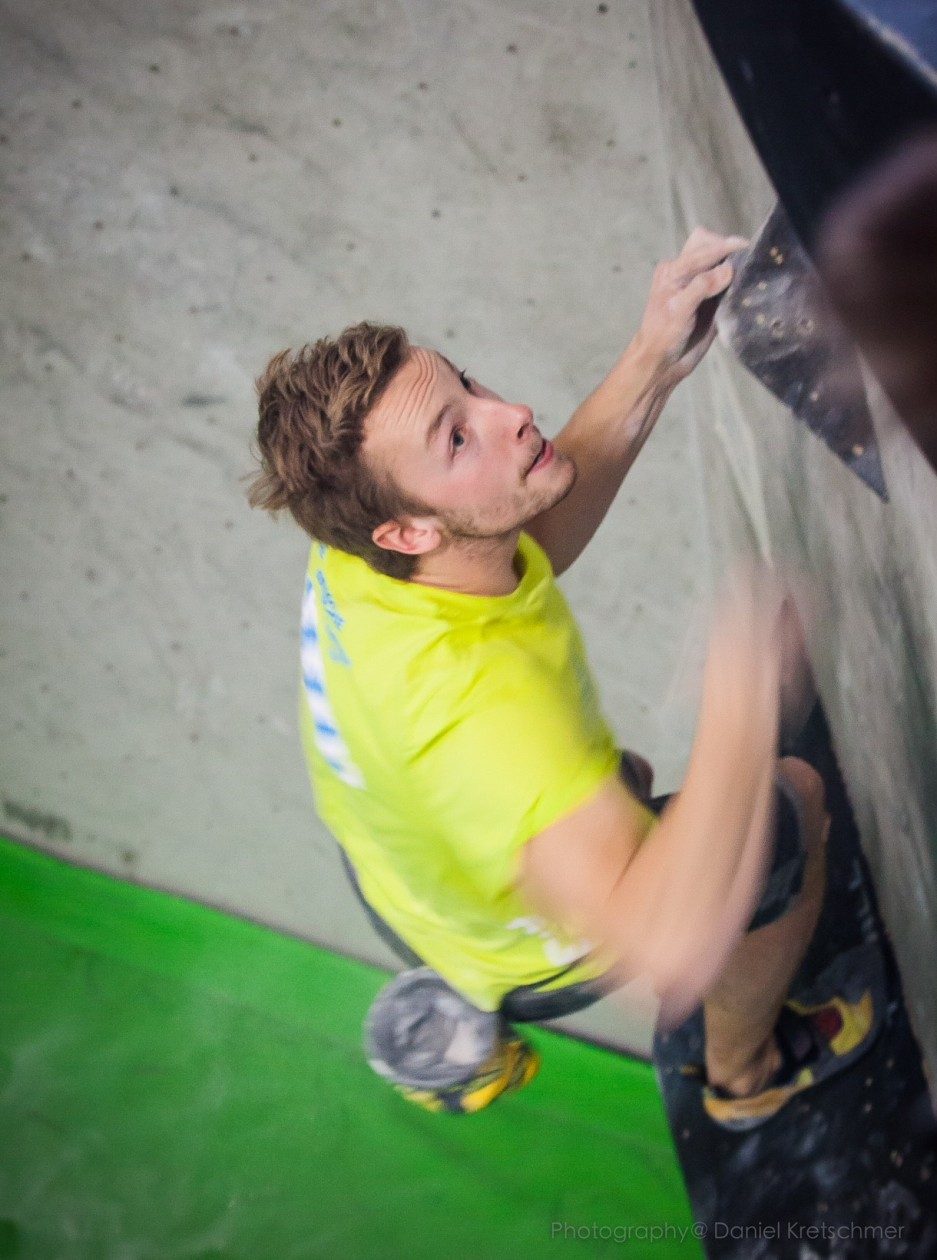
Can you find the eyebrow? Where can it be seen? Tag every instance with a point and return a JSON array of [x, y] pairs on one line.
[[436, 424]]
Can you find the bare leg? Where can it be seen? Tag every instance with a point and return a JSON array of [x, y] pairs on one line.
[[741, 1011]]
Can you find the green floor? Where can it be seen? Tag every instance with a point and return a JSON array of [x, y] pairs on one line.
[[178, 1083]]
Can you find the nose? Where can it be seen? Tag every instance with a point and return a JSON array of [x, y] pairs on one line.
[[522, 420], [513, 423]]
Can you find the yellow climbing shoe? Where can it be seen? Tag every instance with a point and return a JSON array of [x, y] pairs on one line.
[[816, 1042]]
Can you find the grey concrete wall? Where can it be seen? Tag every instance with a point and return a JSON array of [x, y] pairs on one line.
[[190, 186], [777, 491]]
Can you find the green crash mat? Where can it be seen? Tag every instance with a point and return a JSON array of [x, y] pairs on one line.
[[179, 1083]]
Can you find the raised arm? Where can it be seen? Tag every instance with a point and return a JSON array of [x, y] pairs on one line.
[[672, 907], [608, 430]]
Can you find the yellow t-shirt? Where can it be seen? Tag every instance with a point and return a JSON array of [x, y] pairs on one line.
[[442, 732]]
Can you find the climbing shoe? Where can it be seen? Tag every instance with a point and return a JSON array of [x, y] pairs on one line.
[[511, 1067], [441, 1052], [816, 1042]]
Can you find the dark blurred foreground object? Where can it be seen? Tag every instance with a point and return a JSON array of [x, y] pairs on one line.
[[877, 252], [825, 88]]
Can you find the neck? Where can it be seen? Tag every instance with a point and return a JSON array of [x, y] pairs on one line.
[[472, 566]]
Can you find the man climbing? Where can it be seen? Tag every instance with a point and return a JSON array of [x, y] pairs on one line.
[[457, 750]]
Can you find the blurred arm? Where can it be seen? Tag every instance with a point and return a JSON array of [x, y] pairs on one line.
[[674, 905]]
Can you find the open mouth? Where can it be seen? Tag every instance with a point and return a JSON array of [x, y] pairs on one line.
[[544, 455]]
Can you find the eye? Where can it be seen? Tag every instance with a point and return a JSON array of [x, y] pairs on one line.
[[465, 380], [457, 440]]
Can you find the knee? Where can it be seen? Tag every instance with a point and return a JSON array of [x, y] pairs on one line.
[[809, 787]]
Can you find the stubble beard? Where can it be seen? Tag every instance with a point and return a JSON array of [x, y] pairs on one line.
[[470, 528]]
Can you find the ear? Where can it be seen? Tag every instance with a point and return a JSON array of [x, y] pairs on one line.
[[413, 536]]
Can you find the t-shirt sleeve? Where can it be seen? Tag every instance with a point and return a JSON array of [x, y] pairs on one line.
[[505, 767]]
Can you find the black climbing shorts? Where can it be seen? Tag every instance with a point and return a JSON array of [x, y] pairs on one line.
[[533, 1002]]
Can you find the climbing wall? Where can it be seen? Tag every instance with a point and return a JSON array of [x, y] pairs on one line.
[[848, 1168], [775, 489]]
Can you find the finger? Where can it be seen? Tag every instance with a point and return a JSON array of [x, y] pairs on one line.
[[701, 235], [701, 253], [686, 267], [706, 342], [706, 284], [697, 347], [703, 238]]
